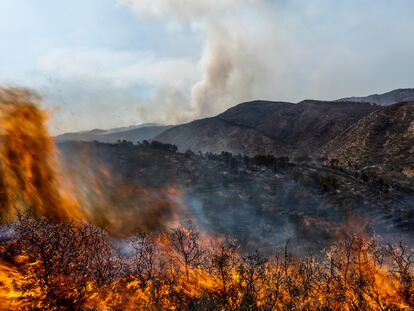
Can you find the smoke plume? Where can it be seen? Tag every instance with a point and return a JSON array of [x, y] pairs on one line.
[[231, 69]]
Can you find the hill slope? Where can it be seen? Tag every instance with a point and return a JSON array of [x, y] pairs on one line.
[[268, 127], [384, 138]]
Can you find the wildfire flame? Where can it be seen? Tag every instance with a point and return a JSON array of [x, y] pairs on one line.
[[29, 178]]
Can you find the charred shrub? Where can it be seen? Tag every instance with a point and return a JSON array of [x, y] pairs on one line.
[[73, 266]]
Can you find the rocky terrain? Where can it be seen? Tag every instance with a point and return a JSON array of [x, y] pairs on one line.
[[383, 140]]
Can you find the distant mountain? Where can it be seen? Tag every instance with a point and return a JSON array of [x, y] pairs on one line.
[[386, 99], [132, 133], [279, 128], [383, 140], [132, 127]]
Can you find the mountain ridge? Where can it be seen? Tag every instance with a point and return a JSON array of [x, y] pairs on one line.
[[285, 128], [388, 98], [135, 133]]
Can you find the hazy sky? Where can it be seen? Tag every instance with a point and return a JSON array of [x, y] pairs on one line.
[[108, 63]]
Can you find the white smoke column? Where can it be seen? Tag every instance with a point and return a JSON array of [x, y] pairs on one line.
[[228, 66], [227, 71]]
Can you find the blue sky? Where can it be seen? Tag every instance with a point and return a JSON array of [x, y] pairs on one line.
[[108, 63]]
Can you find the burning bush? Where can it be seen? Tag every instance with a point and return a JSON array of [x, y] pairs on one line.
[[60, 264], [71, 266]]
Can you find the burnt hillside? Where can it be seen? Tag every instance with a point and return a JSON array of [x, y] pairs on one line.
[[262, 200]]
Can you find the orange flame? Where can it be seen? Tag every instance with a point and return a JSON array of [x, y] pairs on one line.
[[29, 179]]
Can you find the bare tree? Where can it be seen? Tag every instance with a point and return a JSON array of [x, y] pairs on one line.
[[73, 266], [61, 262], [185, 242], [402, 259]]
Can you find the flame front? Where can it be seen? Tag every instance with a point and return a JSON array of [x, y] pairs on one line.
[[179, 270]]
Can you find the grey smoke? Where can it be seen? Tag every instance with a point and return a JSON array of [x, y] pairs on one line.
[[227, 64], [224, 76]]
